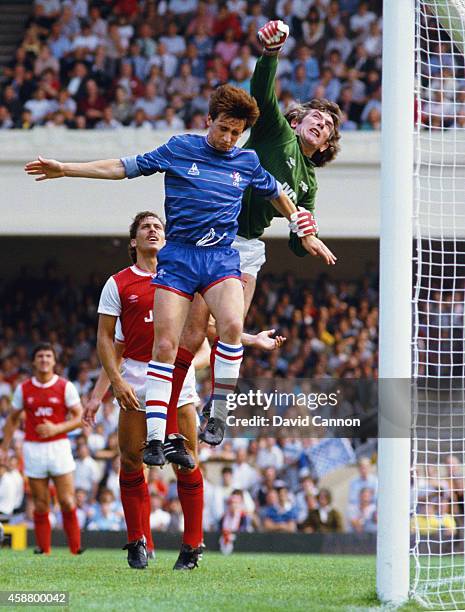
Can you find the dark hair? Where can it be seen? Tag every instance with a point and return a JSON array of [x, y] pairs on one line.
[[43, 346], [299, 111], [235, 103], [135, 226]]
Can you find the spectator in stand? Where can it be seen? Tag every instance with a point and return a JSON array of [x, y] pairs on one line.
[[170, 121], [140, 120], [234, 520], [6, 121], [361, 21], [152, 104], [362, 517], [373, 42], [340, 42], [186, 85], [87, 474], [167, 61], [82, 508], [108, 122], [86, 42], [8, 491], [159, 518], [323, 518], [225, 20], [145, 40], [373, 121], [39, 106], [279, 514], [227, 47], [244, 475], [122, 107], [174, 43], [269, 454], [331, 85], [352, 111], [300, 86], [106, 515], [202, 18]]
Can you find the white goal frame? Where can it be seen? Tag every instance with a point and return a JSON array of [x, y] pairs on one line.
[[395, 333]]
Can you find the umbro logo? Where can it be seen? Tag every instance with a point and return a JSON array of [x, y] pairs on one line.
[[193, 171], [133, 298], [303, 186]]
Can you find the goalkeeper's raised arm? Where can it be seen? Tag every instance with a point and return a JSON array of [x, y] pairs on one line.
[[290, 146]]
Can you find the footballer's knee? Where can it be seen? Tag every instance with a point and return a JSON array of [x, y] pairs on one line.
[[131, 461], [41, 505], [165, 350], [231, 330], [66, 503], [193, 340]]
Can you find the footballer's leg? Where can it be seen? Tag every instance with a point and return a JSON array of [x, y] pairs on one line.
[[41, 500], [225, 300], [190, 493], [132, 432], [64, 485], [171, 312], [249, 282], [192, 337]]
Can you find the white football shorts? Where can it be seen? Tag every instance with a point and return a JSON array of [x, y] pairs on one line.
[[251, 253], [134, 372], [44, 459]]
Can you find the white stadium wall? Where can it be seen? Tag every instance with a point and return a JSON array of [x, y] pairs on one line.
[[347, 202]]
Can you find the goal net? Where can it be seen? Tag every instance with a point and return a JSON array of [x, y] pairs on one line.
[[438, 409]]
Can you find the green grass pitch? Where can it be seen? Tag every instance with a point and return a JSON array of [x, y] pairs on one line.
[[101, 580]]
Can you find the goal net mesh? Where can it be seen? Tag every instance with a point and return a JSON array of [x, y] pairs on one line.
[[438, 440]]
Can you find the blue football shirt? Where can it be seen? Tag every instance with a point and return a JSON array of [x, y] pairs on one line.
[[203, 187]]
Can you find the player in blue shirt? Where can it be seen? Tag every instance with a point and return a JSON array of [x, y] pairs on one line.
[[205, 178]]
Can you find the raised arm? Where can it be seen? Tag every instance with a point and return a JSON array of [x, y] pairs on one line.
[[43, 169]]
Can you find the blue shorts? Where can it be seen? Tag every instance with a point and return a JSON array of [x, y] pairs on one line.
[[187, 269]]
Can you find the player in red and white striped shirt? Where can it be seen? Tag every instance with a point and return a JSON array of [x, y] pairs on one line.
[[52, 408]]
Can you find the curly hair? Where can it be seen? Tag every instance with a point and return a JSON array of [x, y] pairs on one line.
[[299, 111], [135, 226], [234, 103]]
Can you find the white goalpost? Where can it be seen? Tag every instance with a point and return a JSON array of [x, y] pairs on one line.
[[422, 305]]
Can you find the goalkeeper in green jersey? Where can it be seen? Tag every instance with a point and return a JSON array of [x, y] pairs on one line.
[[289, 146]]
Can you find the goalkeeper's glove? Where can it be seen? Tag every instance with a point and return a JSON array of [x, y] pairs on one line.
[[273, 35], [303, 223]]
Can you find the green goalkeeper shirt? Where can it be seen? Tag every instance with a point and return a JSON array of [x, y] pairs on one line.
[[279, 152]]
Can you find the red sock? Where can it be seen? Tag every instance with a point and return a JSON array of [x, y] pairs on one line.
[[72, 530], [181, 365], [190, 493], [43, 531], [132, 486], [145, 509]]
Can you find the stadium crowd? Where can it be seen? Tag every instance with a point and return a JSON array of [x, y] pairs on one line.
[[153, 64], [256, 484]]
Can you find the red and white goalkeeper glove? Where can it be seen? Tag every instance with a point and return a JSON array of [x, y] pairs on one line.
[[303, 223], [273, 35]]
